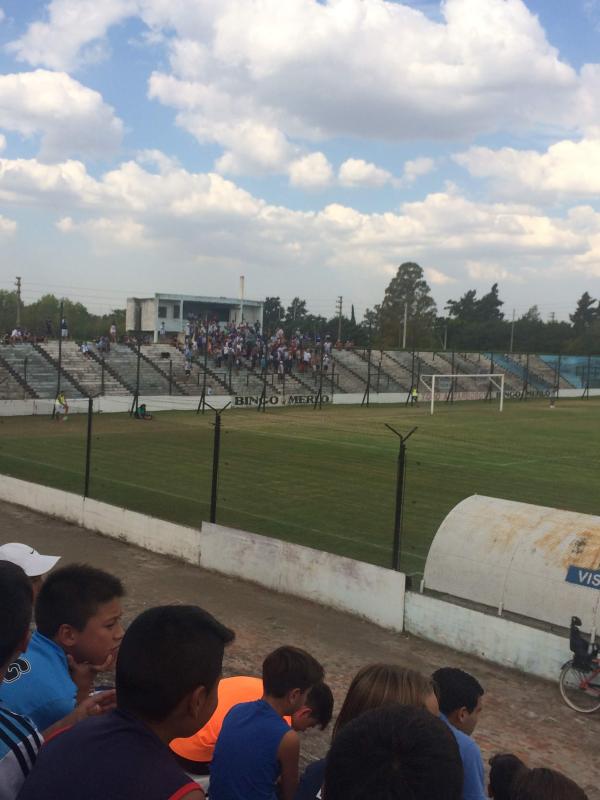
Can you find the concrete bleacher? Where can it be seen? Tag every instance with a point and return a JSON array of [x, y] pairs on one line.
[[542, 370], [10, 388], [347, 378], [381, 378], [86, 370], [37, 371], [171, 362], [122, 359]]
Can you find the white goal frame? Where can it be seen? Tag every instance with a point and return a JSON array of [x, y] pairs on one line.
[[491, 377]]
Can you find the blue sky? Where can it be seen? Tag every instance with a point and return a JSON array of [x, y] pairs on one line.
[[173, 145]]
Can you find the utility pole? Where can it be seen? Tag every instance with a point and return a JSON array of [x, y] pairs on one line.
[[404, 327], [512, 332], [18, 285], [338, 307]]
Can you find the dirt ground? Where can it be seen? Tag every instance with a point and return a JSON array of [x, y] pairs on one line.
[[521, 714]]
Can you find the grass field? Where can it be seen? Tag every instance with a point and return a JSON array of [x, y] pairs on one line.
[[325, 479]]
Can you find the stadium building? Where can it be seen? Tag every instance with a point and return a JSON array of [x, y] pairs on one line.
[[147, 314]]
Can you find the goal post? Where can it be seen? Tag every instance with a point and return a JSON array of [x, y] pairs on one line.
[[447, 383]]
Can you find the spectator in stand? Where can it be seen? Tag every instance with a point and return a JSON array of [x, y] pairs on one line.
[[195, 754], [504, 768], [460, 697], [33, 564], [167, 677], [256, 748], [394, 752], [64, 329], [78, 616], [545, 784], [113, 333], [373, 686], [16, 337]]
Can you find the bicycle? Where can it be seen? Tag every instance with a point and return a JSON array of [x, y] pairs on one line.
[[579, 681]]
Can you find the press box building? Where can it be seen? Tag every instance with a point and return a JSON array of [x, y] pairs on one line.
[[146, 315]]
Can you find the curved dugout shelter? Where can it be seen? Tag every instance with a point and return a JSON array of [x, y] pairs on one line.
[[541, 563]]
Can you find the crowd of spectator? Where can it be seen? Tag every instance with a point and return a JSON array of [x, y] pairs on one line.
[[230, 346], [169, 728]]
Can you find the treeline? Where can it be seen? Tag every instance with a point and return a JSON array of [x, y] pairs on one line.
[[469, 323], [43, 315]]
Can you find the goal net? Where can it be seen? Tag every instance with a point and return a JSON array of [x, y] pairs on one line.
[[485, 386]]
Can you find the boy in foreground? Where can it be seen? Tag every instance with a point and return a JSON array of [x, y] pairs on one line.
[[460, 698], [167, 677], [195, 754], [256, 747], [78, 616]]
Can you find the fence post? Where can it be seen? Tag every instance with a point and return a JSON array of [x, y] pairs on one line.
[[170, 376], [88, 449], [25, 369], [102, 377], [215, 469], [400, 480]]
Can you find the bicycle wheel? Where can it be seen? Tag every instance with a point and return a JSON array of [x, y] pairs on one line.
[[580, 689]]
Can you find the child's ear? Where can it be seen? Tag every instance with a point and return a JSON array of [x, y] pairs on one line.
[[294, 695], [66, 636], [197, 702]]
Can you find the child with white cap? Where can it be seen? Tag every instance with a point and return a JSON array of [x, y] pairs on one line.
[[33, 564]]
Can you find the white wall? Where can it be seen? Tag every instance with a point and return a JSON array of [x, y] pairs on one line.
[[375, 593], [493, 638]]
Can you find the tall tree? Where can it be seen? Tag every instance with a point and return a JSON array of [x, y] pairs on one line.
[[489, 307], [584, 314], [296, 311], [273, 313], [407, 289]]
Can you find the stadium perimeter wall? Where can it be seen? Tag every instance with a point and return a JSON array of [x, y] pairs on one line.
[[115, 404], [371, 592]]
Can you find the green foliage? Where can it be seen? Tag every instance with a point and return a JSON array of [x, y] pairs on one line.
[[36, 316], [407, 289]]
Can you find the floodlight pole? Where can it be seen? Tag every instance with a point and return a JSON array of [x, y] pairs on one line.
[[367, 394], [400, 480]]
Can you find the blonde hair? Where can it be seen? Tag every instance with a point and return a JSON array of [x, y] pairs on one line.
[[379, 685]]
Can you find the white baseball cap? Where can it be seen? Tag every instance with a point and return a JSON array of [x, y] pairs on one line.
[[31, 562]]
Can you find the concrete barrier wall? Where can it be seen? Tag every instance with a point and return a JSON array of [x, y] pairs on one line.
[[375, 593], [496, 639]]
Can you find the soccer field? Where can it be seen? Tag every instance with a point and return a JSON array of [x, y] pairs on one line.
[[326, 478]]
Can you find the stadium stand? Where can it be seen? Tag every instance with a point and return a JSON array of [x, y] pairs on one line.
[[358, 362], [542, 370], [12, 386], [509, 364], [88, 372], [122, 358], [37, 370]]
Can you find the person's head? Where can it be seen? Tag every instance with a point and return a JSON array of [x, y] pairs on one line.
[[33, 564], [504, 768], [460, 697], [169, 667], [16, 603], [288, 673], [391, 752], [317, 709], [382, 685], [545, 784], [79, 607]]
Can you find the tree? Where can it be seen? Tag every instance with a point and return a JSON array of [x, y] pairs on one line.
[[489, 306], [585, 314], [407, 289], [273, 313], [531, 315], [296, 311]]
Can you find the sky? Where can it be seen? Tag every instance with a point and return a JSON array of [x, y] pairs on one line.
[[309, 145]]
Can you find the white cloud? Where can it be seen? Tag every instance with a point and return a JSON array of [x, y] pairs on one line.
[[437, 278], [311, 172], [566, 168], [212, 229], [416, 168], [73, 33], [7, 226], [2, 142], [356, 172], [70, 118], [2, 15]]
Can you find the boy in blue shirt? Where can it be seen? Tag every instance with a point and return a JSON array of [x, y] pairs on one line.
[[78, 616], [256, 747], [460, 699], [167, 679]]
